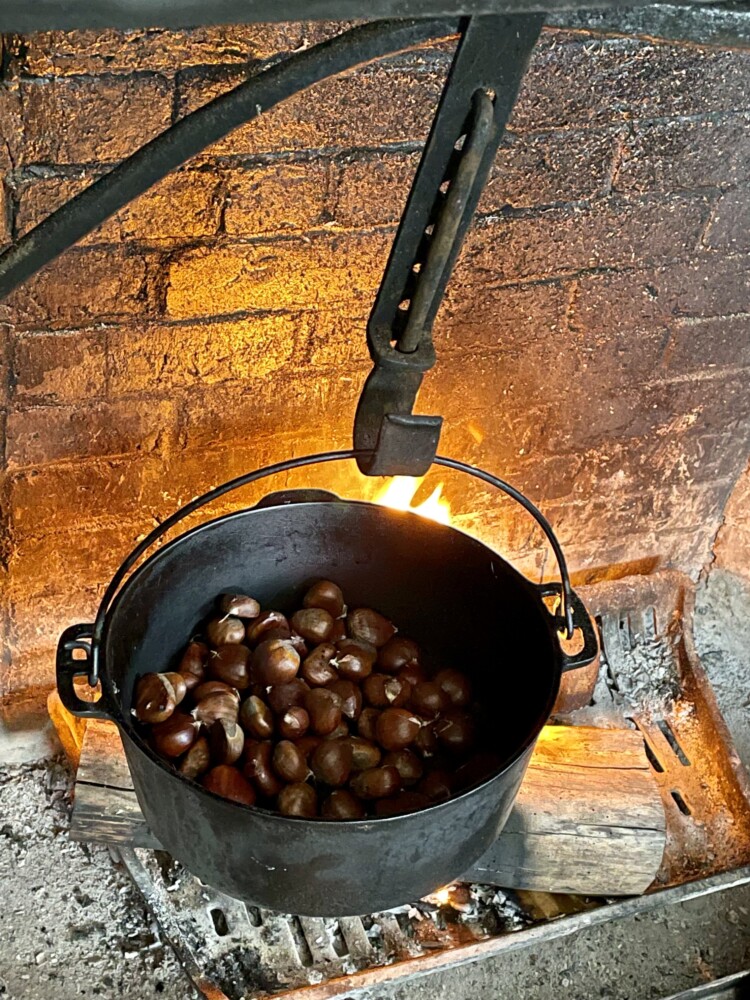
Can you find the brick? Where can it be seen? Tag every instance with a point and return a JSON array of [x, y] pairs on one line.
[[695, 345], [285, 274], [80, 287], [96, 119], [644, 300], [185, 205], [276, 198], [685, 154], [729, 228], [5, 213], [59, 368], [333, 338], [604, 234], [584, 81], [372, 107], [371, 190], [732, 545], [11, 118], [161, 358], [5, 365], [55, 433], [62, 53]]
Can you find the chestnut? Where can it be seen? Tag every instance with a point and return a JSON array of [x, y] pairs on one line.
[[215, 700], [324, 708], [226, 740], [426, 742], [317, 668], [258, 768], [398, 653], [289, 762], [365, 753], [456, 685], [227, 781], [174, 736], [326, 595], [396, 728], [382, 690], [351, 697], [256, 718], [265, 621], [456, 730], [308, 744], [408, 765], [193, 664], [429, 699], [406, 802], [338, 631], [339, 732], [239, 605], [282, 697], [225, 630], [369, 626], [179, 684], [412, 673], [155, 698], [366, 723], [231, 663], [294, 723], [331, 762], [275, 661], [436, 785], [313, 624], [197, 760], [376, 783], [298, 799], [341, 804], [354, 659]]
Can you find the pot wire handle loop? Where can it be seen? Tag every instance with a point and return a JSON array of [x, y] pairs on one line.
[[287, 466]]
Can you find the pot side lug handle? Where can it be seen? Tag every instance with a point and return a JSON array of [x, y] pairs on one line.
[[283, 498], [76, 638], [583, 624]]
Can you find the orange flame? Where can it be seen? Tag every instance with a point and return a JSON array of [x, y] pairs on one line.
[[400, 492]]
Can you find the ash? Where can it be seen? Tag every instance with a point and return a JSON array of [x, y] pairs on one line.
[[72, 924], [643, 673]]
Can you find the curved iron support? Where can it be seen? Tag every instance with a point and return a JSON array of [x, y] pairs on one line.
[[192, 134]]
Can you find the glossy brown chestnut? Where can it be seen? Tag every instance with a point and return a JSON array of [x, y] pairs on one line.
[[258, 768], [456, 685], [365, 753], [341, 804], [456, 730], [351, 697], [298, 799], [331, 762], [324, 708], [282, 697], [317, 669], [155, 698], [408, 765], [367, 722], [382, 690], [398, 653], [179, 684], [413, 673], [327, 595], [227, 781], [354, 659], [436, 785], [376, 783], [369, 626], [266, 620], [193, 664], [294, 723], [197, 760], [215, 700], [396, 728], [406, 802], [429, 699], [313, 624], [239, 605], [339, 732], [275, 661], [230, 663], [308, 744], [226, 740], [426, 744], [174, 736], [289, 761], [256, 718], [221, 631]]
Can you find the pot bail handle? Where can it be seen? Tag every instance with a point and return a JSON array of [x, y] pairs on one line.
[[96, 632]]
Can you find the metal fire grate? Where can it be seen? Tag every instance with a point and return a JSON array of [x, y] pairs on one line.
[[650, 679]]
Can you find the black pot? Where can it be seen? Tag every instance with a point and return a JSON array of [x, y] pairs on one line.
[[443, 588]]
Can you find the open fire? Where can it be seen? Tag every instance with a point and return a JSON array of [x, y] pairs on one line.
[[401, 491]]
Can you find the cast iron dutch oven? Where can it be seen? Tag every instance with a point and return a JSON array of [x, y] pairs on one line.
[[445, 589]]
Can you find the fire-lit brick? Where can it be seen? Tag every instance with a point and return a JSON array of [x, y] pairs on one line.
[[78, 288], [59, 368], [284, 274], [54, 433], [729, 228], [92, 119], [733, 542], [277, 198]]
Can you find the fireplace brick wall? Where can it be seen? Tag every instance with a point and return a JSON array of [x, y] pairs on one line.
[[593, 346]]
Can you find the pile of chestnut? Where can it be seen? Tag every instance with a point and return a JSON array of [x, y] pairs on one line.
[[327, 712]]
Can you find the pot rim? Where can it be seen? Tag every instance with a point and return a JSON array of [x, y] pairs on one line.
[[124, 721]]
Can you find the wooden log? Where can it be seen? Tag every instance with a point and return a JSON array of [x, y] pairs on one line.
[[588, 818]]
